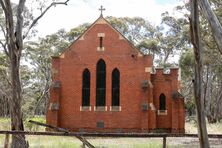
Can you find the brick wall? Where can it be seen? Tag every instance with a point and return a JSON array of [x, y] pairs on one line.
[[167, 83], [117, 53]]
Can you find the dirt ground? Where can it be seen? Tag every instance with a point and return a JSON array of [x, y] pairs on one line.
[[172, 142], [192, 142]]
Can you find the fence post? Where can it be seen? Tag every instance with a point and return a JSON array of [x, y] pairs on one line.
[[164, 142], [6, 145]]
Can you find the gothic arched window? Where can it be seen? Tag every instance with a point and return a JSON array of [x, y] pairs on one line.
[[162, 102], [115, 87], [86, 88], [101, 83]]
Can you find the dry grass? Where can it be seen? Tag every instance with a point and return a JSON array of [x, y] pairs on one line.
[[191, 128], [66, 142]]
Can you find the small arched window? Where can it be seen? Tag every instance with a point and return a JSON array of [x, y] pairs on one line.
[[101, 83], [115, 87], [86, 88], [162, 102]]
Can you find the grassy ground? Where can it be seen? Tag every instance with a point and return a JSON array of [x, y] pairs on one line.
[[71, 142], [191, 128]]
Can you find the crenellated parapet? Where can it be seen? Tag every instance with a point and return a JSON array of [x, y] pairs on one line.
[[167, 74]]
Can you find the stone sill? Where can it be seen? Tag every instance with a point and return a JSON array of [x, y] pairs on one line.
[[100, 108], [115, 108], [162, 112], [85, 108], [100, 48]]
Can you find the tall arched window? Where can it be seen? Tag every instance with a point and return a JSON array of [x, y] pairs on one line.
[[115, 87], [86, 88], [101, 83], [162, 102]]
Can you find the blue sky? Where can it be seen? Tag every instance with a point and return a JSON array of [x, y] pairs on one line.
[[81, 11]]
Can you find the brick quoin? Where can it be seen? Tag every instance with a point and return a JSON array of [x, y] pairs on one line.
[[140, 87]]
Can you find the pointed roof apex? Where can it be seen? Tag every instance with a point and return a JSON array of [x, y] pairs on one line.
[[101, 20], [101, 9]]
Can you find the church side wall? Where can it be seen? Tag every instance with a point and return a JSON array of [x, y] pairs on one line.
[[52, 117], [173, 118]]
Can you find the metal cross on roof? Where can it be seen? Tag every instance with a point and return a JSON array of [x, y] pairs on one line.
[[101, 9]]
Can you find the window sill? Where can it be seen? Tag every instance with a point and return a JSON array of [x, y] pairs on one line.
[[100, 108], [115, 108], [162, 112], [85, 108], [100, 48]]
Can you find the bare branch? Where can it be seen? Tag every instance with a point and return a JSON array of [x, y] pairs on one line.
[[6, 38], [9, 24], [43, 94], [3, 6], [6, 78], [19, 24], [9, 18], [213, 22], [2, 28], [42, 14], [4, 47]]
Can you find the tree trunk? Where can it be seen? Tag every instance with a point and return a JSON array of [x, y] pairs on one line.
[[14, 42], [198, 85], [18, 141], [213, 22]]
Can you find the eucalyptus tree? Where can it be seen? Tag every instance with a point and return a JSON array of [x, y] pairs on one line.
[[211, 65], [39, 54], [15, 29], [186, 64], [175, 38]]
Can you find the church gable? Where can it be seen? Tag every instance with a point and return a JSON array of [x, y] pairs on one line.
[[100, 37]]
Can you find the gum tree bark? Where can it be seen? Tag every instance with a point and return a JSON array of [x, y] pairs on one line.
[[198, 82]]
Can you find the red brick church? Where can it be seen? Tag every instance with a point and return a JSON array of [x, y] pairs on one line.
[[102, 83]]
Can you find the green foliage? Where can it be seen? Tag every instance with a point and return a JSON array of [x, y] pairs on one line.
[[74, 33], [212, 83], [190, 106], [161, 41], [38, 54], [187, 64], [135, 29], [149, 46]]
